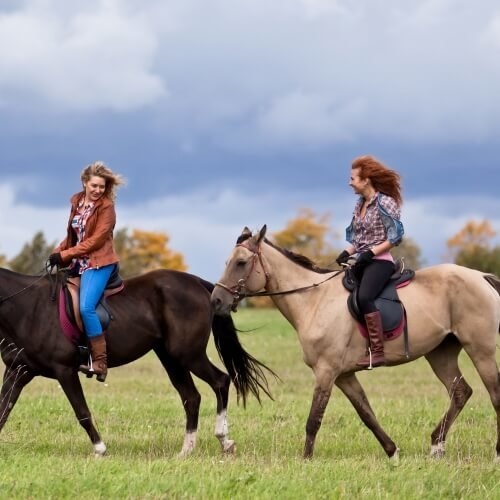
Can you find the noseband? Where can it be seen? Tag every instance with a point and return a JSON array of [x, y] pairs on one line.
[[237, 290]]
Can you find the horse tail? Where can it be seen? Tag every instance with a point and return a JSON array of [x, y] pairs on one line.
[[495, 283], [247, 373]]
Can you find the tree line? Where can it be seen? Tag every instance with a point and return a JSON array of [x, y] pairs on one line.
[[308, 234]]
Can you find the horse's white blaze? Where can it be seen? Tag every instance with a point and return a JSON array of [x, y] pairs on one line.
[[189, 444], [222, 432], [99, 449]]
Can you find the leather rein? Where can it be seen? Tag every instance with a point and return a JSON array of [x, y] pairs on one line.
[[47, 271], [237, 290]]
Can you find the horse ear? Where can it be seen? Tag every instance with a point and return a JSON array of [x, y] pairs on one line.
[[245, 235], [262, 233], [246, 232]]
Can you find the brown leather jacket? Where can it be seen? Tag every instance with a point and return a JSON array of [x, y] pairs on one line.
[[98, 242]]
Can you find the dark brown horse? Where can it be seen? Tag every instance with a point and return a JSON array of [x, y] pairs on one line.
[[167, 311]]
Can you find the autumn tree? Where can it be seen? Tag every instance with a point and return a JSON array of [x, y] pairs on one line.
[[309, 234], [144, 251], [33, 255], [3, 261], [473, 247]]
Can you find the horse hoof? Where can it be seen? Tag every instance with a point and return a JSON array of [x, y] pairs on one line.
[[229, 447], [99, 450], [437, 451], [394, 460]]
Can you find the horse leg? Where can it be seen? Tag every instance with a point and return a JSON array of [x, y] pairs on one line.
[[183, 382], [15, 378], [352, 389], [219, 382], [444, 362], [321, 396], [70, 383], [484, 360]]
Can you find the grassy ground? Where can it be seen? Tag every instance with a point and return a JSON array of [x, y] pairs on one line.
[[45, 454]]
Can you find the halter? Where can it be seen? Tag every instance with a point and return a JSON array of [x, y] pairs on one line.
[[236, 290]]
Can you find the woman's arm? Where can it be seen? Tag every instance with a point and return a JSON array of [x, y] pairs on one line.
[[104, 226]]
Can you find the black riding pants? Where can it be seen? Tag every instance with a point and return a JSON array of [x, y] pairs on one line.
[[372, 279]]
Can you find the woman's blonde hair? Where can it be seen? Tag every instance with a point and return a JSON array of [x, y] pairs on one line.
[[100, 169], [383, 179]]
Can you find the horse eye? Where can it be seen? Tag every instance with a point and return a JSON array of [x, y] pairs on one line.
[[241, 263]]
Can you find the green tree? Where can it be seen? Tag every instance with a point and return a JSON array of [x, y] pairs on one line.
[[410, 252], [144, 251], [33, 255]]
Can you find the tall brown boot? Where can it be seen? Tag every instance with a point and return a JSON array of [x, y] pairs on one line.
[[99, 365], [376, 340]]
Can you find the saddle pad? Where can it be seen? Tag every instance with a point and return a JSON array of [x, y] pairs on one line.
[[71, 332]]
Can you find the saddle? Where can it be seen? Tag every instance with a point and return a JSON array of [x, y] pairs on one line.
[[69, 304], [391, 308]]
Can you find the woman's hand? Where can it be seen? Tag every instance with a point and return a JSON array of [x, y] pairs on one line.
[[55, 259], [343, 258], [365, 257]]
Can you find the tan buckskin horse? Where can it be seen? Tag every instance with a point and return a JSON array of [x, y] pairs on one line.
[[449, 308]]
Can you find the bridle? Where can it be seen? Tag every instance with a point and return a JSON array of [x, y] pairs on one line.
[[237, 290]]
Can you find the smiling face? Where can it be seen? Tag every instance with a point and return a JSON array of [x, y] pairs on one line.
[[358, 184], [94, 188]]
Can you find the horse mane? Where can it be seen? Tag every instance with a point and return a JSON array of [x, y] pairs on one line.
[[299, 259]]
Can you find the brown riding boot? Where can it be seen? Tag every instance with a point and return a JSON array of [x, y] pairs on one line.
[[99, 365], [375, 355]]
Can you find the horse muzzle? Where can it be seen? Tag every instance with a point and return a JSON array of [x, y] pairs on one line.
[[223, 302]]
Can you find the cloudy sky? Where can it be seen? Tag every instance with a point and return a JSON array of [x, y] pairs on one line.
[[226, 113]]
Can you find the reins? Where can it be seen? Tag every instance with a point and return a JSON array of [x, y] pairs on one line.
[[294, 290], [47, 271], [237, 290]]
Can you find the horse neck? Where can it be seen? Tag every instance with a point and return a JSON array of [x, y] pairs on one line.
[[285, 274], [18, 294]]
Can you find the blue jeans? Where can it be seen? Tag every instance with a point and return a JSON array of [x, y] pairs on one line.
[[92, 285]]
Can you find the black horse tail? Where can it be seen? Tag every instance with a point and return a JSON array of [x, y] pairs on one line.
[[247, 373], [495, 283]]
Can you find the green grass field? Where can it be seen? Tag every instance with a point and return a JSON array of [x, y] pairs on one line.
[[44, 453]]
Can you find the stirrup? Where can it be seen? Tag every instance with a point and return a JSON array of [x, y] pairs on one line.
[[87, 370], [362, 362]]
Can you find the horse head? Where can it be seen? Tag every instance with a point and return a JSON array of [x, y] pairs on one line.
[[244, 273]]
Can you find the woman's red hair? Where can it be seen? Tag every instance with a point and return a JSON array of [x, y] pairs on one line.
[[383, 179]]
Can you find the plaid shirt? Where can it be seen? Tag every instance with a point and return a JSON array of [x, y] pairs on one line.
[[369, 230]]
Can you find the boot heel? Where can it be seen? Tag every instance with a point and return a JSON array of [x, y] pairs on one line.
[[101, 377]]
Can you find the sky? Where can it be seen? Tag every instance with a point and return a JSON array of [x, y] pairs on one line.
[[230, 113]]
